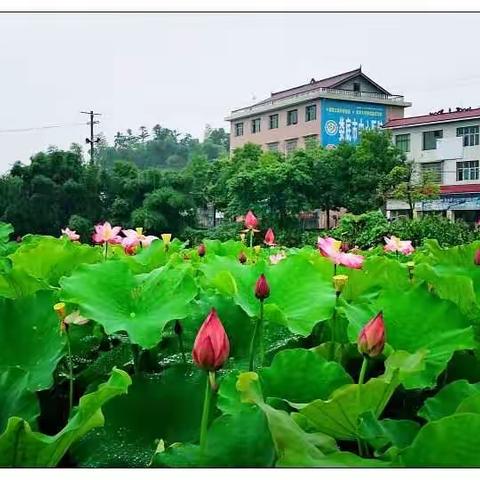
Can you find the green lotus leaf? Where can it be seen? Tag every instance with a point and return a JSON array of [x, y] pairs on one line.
[[385, 433], [16, 283], [48, 258], [452, 441], [453, 274], [162, 406], [300, 376], [447, 400], [15, 398], [301, 293], [141, 305], [292, 444], [339, 415], [30, 337], [416, 320], [22, 447]]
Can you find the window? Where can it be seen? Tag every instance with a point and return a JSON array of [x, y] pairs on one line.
[[433, 170], [291, 145], [467, 170], [255, 125], [356, 86], [310, 113], [292, 117], [469, 134], [239, 129], [273, 121], [311, 140], [272, 147], [403, 142], [430, 139]]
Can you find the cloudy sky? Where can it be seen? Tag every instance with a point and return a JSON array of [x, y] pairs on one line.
[[186, 70]]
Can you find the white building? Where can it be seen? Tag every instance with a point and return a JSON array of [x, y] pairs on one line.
[[446, 143]]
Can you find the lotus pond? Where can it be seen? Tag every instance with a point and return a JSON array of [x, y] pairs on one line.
[[96, 361]]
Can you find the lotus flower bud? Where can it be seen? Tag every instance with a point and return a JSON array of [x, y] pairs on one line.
[[269, 238], [262, 290], [60, 310], [242, 258], [371, 339], [251, 222], [166, 238], [201, 250], [476, 259], [211, 347], [339, 282]]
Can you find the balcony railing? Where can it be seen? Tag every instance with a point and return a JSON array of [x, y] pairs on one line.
[[298, 97]]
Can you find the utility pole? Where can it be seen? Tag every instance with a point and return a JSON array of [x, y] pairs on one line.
[[91, 140]]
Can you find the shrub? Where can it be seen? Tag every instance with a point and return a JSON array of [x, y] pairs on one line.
[[436, 227]]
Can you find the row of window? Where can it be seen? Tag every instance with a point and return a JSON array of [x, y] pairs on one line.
[[465, 170], [470, 138], [273, 120], [292, 143]]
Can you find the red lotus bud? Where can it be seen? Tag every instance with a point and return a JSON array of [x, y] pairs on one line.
[[201, 250], [242, 258], [269, 238], [371, 339], [476, 259], [211, 347], [251, 221], [262, 290]]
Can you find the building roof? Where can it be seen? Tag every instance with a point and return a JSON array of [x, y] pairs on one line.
[[464, 188], [329, 82], [433, 118]]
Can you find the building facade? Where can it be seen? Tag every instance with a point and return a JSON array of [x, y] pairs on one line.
[[447, 145], [327, 111]]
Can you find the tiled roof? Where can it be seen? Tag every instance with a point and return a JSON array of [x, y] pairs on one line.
[[438, 118], [329, 82]]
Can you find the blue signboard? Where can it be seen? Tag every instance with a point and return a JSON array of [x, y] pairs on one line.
[[343, 121]]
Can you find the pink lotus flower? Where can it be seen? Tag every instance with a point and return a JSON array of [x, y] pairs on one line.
[[371, 338], [331, 249], [134, 238], [394, 244], [70, 234], [274, 259], [211, 347], [269, 238], [106, 234], [251, 221]]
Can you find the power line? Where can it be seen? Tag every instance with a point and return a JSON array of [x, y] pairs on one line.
[[44, 127]]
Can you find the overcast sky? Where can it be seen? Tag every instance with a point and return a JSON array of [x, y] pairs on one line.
[[186, 70]]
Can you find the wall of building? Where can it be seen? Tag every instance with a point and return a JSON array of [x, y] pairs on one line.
[[281, 134], [449, 165]]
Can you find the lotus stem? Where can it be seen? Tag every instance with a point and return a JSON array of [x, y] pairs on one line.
[[105, 251], [206, 410], [70, 374], [361, 378], [251, 238], [257, 338]]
